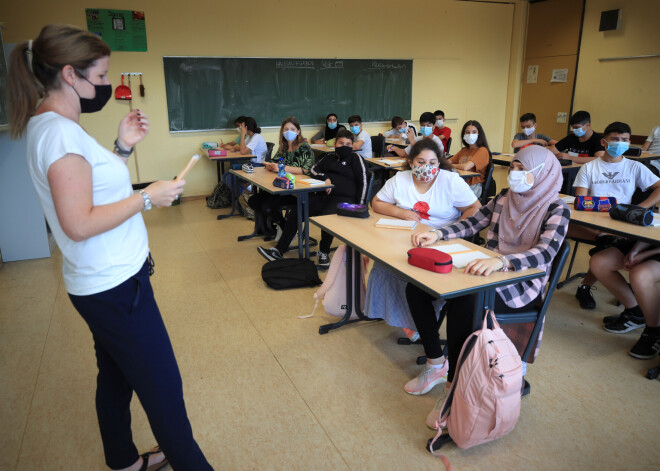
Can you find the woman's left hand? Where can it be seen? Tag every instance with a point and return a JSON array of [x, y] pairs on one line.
[[132, 129], [483, 267], [270, 166]]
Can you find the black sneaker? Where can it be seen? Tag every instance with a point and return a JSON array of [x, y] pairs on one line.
[[269, 254], [647, 346], [324, 260], [585, 298], [625, 322]]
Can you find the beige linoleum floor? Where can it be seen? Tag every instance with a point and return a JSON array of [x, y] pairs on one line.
[[265, 391]]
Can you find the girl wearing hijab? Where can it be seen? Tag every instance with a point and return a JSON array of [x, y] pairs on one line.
[[329, 132], [526, 224]]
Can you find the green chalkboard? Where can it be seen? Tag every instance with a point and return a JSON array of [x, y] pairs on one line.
[[4, 112], [205, 93]]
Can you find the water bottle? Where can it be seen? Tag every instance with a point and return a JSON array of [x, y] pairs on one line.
[[280, 169]]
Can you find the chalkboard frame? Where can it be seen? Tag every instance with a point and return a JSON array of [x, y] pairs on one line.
[[379, 77]]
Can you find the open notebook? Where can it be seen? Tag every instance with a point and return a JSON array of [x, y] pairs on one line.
[[461, 255]]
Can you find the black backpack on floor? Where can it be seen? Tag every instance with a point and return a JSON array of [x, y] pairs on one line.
[[289, 273]]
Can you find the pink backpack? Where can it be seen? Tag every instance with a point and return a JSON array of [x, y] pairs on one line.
[[333, 290], [483, 403]]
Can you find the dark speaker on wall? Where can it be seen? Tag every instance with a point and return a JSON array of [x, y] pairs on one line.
[[610, 20]]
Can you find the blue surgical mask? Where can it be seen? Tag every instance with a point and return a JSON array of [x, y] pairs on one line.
[[617, 148], [332, 125], [290, 135], [579, 132], [355, 129], [426, 130], [403, 130]]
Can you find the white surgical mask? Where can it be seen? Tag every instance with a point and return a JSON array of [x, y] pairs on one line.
[[518, 180], [470, 138], [529, 131], [439, 123]]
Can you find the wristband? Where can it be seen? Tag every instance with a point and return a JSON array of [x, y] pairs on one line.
[[120, 151], [438, 235], [504, 267]]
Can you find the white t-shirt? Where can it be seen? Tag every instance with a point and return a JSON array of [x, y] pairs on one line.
[[438, 205], [619, 179], [365, 151], [257, 145], [105, 260], [435, 139], [654, 139]]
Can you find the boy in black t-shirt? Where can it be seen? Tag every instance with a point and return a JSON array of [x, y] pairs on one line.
[[583, 144]]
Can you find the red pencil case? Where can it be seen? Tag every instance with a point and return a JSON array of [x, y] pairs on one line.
[[430, 259], [217, 153]]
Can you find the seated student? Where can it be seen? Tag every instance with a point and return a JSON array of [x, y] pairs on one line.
[[234, 146], [583, 144], [529, 136], [426, 121], [362, 140], [652, 145], [526, 224], [399, 130], [440, 130], [298, 158], [252, 142], [640, 299], [611, 175], [430, 193], [475, 154], [342, 168], [329, 132]]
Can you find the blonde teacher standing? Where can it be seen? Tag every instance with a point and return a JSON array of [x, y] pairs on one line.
[[85, 192]]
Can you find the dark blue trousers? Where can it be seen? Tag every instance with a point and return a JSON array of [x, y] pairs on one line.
[[134, 353]]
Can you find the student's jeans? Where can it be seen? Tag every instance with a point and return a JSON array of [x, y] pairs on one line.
[[459, 322], [228, 177], [318, 204], [134, 353]]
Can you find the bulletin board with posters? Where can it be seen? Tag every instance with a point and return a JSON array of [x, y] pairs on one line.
[[122, 30]]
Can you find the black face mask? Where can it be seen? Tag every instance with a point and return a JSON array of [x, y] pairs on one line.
[[344, 152], [101, 97]]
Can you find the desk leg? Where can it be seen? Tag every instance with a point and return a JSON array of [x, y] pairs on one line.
[[485, 300], [353, 293], [306, 224], [300, 205]]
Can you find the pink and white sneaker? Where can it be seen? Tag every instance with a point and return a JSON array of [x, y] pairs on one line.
[[427, 379]]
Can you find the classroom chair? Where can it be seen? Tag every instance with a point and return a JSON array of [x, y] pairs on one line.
[[269, 151], [447, 147], [488, 187], [633, 152], [538, 315], [413, 127], [378, 145]]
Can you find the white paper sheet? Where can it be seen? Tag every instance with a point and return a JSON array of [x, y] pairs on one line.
[[397, 223], [460, 254]]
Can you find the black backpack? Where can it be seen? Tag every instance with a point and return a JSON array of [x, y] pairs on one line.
[[289, 273], [220, 198]]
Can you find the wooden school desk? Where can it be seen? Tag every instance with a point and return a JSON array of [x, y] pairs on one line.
[[392, 164], [319, 149], [396, 142], [390, 246], [231, 157], [263, 179], [603, 221]]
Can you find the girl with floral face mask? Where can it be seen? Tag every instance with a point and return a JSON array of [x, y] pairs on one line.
[[430, 193], [526, 226]]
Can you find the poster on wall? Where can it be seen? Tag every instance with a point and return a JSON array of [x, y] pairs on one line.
[[559, 75], [123, 30]]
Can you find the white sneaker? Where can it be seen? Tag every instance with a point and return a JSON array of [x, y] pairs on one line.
[[427, 379]]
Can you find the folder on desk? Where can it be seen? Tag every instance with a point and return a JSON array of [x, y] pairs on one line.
[[393, 162], [396, 224], [310, 181]]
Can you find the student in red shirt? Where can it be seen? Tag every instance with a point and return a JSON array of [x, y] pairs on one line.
[[440, 130]]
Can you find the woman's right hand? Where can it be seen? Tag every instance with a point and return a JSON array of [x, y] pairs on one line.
[[422, 239], [271, 166], [163, 192], [410, 215]]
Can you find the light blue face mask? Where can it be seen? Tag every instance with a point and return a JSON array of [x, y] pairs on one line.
[[617, 148], [290, 135], [355, 129], [403, 130], [579, 132], [426, 130], [332, 125]]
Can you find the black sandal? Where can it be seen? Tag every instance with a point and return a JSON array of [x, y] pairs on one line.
[[145, 461]]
